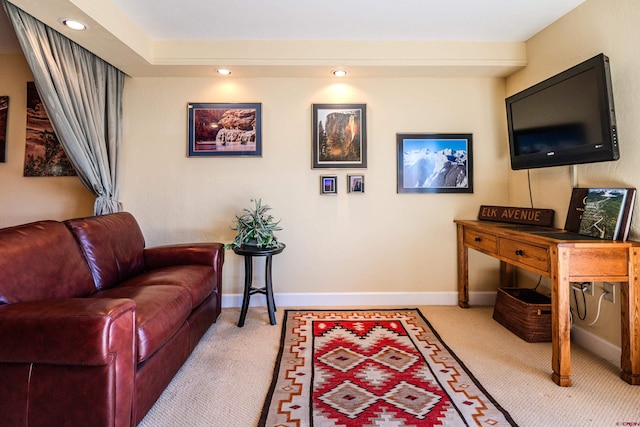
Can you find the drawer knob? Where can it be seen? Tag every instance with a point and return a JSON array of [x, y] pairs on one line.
[[519, 252], [478, 239]]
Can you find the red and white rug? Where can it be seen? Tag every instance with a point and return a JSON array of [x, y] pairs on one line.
[[372, 368]]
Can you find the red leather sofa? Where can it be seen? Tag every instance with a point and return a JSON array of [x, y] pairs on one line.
[[93, 325]]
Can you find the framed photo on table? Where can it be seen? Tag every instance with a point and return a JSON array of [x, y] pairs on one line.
[[339, 136], [435, 163], [224, 129]]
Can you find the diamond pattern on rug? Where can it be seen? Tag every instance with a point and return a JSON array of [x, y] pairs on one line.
[[412, 399], [349, 399], [395, 358], [342, 359], [372, 368]]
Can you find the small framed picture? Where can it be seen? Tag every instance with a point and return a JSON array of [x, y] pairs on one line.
[[435, 163], [224, 129], [339, 136], [328, 184], [4, 109], [355, 183]]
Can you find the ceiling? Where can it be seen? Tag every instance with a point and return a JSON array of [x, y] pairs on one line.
[[301, 38]]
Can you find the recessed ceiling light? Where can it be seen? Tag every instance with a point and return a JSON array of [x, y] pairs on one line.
[[73, 24], [223, 71], [340, 73]]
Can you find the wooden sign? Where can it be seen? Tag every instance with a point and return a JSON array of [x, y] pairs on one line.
[[530, 216]]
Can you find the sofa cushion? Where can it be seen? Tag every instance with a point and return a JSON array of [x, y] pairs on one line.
[[41, 260], [113, 246], [199, 280], [160, 312], [65, 331]]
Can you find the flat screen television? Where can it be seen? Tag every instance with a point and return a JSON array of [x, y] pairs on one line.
[[565, 120]]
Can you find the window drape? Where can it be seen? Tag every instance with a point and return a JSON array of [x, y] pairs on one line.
[[82, 95]]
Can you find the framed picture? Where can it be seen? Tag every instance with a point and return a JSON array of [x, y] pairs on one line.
[[435, 163], [355, 183], [43, 154], [328, 184], [225, 129], [4, 111], [339, 136]]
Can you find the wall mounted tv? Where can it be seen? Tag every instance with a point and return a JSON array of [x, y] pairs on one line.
[[565, 120]]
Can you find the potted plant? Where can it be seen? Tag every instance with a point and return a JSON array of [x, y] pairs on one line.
[[255, 227]]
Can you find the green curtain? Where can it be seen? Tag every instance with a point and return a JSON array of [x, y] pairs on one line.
[[82, 95]]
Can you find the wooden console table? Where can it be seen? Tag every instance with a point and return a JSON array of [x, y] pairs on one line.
[[564, 258]]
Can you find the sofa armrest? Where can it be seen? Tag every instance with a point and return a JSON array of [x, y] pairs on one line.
[[65, 331], [210, 254]]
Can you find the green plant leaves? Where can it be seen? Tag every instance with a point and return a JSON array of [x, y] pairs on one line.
[[255, 226]]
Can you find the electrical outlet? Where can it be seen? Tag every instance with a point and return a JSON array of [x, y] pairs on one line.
[[587, 288], [610, 290]]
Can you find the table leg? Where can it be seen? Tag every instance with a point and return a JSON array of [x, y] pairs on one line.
[[248, 276], [271, 305], [463, 270], [507, 275], [560, 318], [629, 301]]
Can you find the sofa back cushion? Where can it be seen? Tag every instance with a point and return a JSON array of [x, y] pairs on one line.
[[39, 261], [113, 246]]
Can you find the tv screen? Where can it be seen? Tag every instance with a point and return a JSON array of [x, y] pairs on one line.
[[565, 120]]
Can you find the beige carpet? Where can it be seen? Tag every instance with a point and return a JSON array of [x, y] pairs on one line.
[[225, 381]]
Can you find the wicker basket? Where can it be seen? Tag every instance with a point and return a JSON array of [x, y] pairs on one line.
[[524, 312]]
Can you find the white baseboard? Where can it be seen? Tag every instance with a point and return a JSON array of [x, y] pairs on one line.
[[596, 345], [408, 299], [580, 336]]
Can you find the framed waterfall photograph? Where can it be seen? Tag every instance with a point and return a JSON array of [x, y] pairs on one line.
[[224, 129], [435, 163], [339, 136]]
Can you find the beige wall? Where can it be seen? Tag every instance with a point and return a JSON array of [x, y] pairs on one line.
[[379, 241], [596, 26], [32, 198]]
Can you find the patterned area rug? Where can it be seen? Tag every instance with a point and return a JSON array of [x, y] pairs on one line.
[[372, 368]]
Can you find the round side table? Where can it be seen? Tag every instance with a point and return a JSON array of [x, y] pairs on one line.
[[249, 252]]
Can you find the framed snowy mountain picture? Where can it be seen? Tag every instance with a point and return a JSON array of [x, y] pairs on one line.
[[435, 163]]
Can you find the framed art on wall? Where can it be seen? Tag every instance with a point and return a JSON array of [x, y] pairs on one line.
[[339, 136], [224, 129], [43, 154], [435, 163], [355, 183], [4, 112], [328, 184]]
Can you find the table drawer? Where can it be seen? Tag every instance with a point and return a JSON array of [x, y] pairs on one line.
[[531, 255], [481, 241]]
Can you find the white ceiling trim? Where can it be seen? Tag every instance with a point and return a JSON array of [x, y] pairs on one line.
[[128, 45]]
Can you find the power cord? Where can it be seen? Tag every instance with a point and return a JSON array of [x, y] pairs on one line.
[[529, 182], [582, 288], [537, 284], [599, 305]]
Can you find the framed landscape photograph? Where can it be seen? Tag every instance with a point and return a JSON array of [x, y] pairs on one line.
[[328, 184], [355, 183], [435, 163], [339, 136], [43, 154], [224, 129]]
